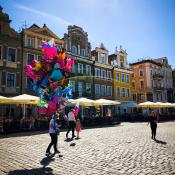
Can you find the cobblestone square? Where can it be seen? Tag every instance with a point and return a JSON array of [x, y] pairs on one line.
[[122, 149]]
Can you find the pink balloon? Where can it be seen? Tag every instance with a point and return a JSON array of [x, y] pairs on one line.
[[69, 63], [56, 98], [29, 68], [49, 52], [43, 110], [52, 106], [62, 64]]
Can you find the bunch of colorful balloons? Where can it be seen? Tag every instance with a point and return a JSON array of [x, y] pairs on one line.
[[50, 78]]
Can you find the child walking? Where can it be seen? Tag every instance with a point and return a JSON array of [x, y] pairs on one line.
[[78, 127]]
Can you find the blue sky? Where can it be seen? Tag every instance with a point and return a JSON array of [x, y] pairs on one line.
[[146, 28]]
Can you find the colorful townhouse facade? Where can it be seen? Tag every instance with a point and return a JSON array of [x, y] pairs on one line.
[[122, 81], [152, 80], [10, 58], [103, 73], [78, 47], [31, 49]]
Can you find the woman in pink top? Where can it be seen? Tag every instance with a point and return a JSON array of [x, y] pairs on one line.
[[78, 127]]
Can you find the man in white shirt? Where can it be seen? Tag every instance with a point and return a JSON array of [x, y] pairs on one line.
[[71, 123]]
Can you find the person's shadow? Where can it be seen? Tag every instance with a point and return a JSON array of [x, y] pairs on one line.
[[46, 160], [160, 142], [42, 171]]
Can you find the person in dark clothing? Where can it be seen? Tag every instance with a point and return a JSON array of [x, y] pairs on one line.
[[153, 124], [72, 124]]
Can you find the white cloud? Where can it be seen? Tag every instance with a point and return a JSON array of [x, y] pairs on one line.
[[44, 14]]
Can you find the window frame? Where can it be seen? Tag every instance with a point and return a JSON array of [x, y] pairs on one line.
[[118, 91], [109, 73], [97, 85], [123, 92], [97, 70], [122, 76], [14, 79], [104, 90], [80, 72], [87, 70], [72, 84], [103, 71], [90, 88], [81, 87], [110, 95], [15, 54], [119, 77], [127, 75]]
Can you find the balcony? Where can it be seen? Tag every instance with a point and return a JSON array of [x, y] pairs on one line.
[[158, 88], [158, 76]]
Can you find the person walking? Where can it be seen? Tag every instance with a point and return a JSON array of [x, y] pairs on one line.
[[53, 131], [153, 118], [78, 127], [71, 124]]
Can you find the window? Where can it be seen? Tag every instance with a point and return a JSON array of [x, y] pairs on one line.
[[30, 58], [97, 89], [74, 49], [128, 92], [82, 52], [141, 73], [10, 80], [141, 84], [151, 72], [127, 78], [123, 92], [97, 72], [88, 70], [133, 85], [29, 84], [103, 74], [102, 58], [39, 44], [73, 67], [109, 77], [39, 57], [80, 68], [118, 91], [72, 84], [88, 87], [118, 76], [80, 89], [11, 55], [103, 90], [109, 91], [123, 77], [30, 42], [0, 52]]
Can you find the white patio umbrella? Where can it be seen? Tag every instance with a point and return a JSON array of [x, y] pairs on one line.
[[106, 102], [147, 104], [103, 102], [82, 102], [25, 99]]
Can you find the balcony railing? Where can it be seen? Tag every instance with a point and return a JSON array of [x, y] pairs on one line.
[[158, 88], [158, 76]]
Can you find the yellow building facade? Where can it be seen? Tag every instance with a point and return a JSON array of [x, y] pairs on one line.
[[123, 89], [122, 76]]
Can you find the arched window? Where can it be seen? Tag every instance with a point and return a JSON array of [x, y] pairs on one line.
[[74, 49]]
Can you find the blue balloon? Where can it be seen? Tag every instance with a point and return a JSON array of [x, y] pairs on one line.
[[44, 82], [56, 74]]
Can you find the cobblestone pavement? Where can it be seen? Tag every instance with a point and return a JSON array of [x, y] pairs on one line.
[[122, 149]]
